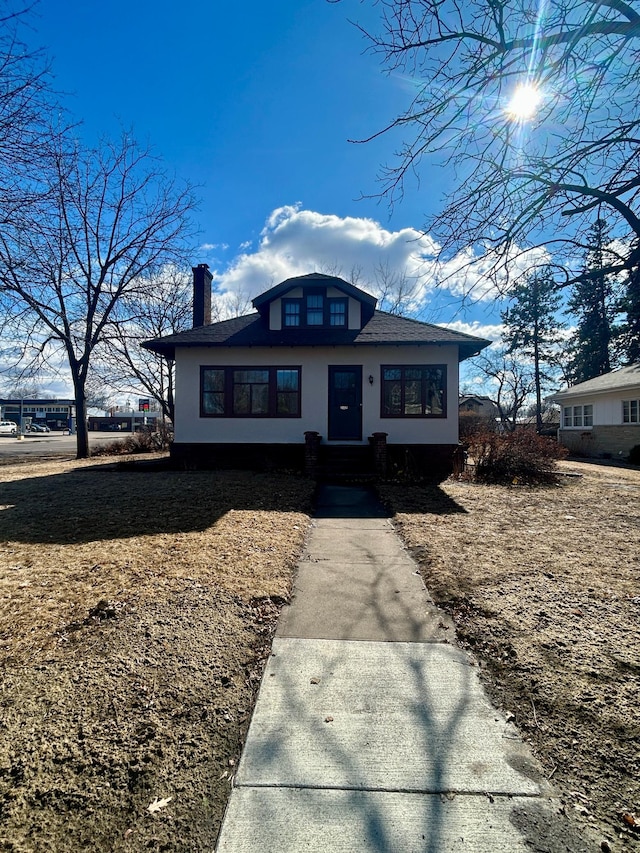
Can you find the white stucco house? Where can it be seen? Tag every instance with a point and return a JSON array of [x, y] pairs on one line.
[[315, 376], [601, 417]]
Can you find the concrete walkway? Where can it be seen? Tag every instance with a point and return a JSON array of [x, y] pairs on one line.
[[372, 733]]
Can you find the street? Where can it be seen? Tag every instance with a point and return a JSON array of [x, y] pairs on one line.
[[50, 443]]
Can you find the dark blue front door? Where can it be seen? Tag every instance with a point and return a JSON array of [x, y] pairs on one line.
[[345, 403]]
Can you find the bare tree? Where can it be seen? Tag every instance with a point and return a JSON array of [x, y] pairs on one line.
[[111, 216], [31, 121], [510, 383], [523, 178], [397, 292], [164, 308]]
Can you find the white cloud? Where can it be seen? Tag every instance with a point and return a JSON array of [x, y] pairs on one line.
[[211, 247], [296, 242], [489, 331], [484, 277]]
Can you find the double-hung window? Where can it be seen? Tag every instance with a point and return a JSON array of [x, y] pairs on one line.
[[314, 311], [254, 392], [414, 391], [577, 416], [291, 312], [337, 313], [630, 411]]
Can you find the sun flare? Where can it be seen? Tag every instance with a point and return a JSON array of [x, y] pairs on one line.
[[524, 102]]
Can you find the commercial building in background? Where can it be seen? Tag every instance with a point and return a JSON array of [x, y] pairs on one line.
[[57, 414], [123, 421]]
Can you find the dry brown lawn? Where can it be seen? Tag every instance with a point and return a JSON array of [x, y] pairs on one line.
[[544, 586], [137, 606]]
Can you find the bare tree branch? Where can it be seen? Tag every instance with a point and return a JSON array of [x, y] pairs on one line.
[[110, 218], [519, 183]]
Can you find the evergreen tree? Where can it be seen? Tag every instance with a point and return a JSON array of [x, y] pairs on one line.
[[532, 328], [629, 337], [592, 302]]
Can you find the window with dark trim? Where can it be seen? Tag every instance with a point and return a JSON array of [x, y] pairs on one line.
[[337, 312], [413, 391], [250, 392], [291, 312], [315, 311]]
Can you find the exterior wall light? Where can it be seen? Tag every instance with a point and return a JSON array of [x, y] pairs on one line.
[[370, 379]]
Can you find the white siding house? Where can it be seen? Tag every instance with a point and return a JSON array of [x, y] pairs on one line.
[[315, 371], [601, 417]]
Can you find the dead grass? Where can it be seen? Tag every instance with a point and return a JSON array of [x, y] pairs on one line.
[[75, 533], [544, 585], [137, 606]]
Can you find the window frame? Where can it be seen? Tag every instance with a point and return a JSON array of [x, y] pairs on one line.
[[403, 380], [273, 392], [630, 405], [337, 300], [576, 416], [287, 302], [303, 311]]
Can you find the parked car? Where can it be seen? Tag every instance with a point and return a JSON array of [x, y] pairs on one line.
[[39, 428], [8, 428]]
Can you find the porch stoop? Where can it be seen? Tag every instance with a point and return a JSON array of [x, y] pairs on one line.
[[345, 463]]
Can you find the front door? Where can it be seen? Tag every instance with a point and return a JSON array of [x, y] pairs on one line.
[[345, 403]]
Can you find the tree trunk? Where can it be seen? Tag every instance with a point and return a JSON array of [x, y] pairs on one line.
[[170, 404], [82, 431], [538, 392]]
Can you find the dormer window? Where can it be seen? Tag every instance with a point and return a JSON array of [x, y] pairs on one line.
[[338, 312], [291, 310], [314, 311]]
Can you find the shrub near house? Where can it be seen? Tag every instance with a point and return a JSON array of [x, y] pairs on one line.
[[517, 458]]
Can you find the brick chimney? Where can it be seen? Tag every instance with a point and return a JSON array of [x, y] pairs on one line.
[[202, 279]]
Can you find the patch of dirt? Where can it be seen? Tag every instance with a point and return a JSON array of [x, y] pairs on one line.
[[544, 587], [137, 608]]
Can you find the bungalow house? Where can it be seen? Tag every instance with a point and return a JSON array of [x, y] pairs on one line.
[[601, 417], [316, 377]]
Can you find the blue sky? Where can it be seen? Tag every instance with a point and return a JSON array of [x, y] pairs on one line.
[[255, 102]]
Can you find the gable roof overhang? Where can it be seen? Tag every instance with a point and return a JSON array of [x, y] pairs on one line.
[[382, 329]]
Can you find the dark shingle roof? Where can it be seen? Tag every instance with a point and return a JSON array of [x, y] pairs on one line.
[[252, 331], [314, 278], [615, 380]]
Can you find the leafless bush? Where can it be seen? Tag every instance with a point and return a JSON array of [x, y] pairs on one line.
[[472, 424], [520, 457], [145, 441]]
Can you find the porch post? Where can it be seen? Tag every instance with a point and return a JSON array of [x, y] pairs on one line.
[[311, 452], [380, 453]]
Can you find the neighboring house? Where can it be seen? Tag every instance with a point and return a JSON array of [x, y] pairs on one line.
[[478, 405], [316, 373], [601, 417], [550, 422]]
